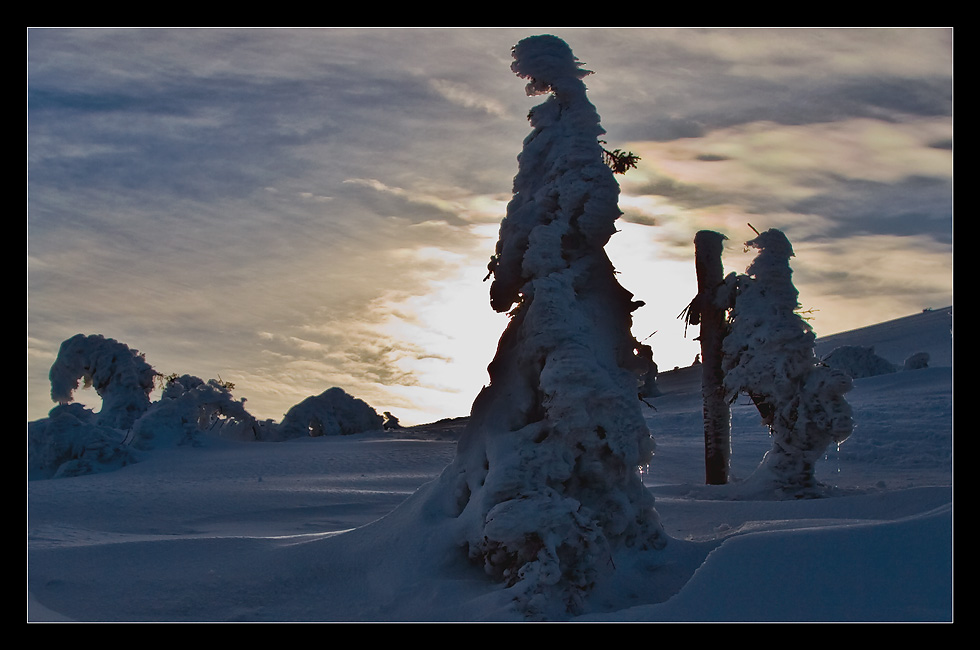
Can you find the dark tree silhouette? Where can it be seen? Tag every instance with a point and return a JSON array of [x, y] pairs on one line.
[[708, 309]]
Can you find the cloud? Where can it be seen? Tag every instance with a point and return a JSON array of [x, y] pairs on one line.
[[398, 351], [416, 207], [855, 176], [462, 95], [667, 84], [193, 191], [917, 205], [887, 276]]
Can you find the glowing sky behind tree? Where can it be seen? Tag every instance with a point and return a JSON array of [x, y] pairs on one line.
[[295, 209]]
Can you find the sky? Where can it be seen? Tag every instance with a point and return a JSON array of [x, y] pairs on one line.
[[295, 209]]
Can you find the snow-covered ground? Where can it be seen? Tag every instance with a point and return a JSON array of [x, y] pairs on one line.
[[328, 529]]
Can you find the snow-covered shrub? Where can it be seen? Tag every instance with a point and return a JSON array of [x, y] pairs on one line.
[[70, 442], [120, 376], [190, 409], [768, 354], [391, 422], [331, 413], [858, 361], [545, 484], [917, 361]]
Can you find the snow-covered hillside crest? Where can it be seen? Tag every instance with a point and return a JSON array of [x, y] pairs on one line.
[[769, 354], [545, 484]]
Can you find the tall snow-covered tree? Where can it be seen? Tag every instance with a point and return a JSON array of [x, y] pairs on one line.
[[769, 355], [546, 482]]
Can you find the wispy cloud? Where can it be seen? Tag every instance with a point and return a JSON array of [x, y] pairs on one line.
[[465, 96], [822, 180]]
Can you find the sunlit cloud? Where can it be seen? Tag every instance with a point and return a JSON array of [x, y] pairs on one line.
[[406, 351], [855, 176], [890, 276]]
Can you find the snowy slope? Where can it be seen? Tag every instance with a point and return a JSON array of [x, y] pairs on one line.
[[895, 340], [328, 528]]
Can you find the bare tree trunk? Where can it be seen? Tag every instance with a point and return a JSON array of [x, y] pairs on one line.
[[717, 414]]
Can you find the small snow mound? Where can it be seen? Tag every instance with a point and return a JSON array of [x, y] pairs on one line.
[[858, 361], [331, 413], [917, 361]]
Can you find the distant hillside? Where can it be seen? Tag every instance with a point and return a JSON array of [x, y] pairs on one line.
[[895, 340], [929, 331]]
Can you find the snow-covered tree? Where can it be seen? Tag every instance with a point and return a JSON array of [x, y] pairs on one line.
[[545, 484], [769, 355], [191, 408], [120, 376], [73, 440], [70, 442], [331, 413], [391, 422]]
